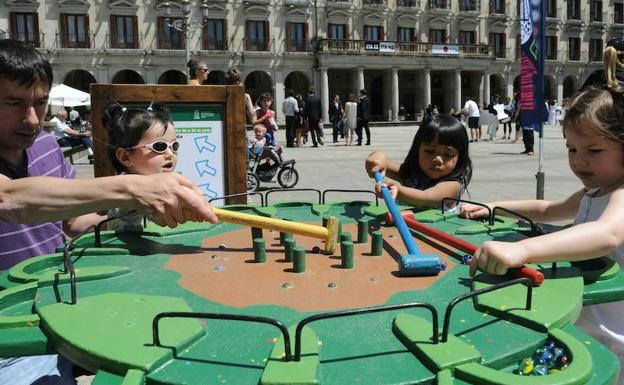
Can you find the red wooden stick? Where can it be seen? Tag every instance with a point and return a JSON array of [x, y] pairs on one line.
[[535, 276]]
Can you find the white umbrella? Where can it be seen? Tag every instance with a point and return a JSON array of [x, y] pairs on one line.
[[62, 95]]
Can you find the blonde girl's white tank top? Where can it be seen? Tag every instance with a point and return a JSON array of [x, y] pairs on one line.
[[606, 320]]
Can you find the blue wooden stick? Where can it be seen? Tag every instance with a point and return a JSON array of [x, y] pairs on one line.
[[414, 263], [407, 237]]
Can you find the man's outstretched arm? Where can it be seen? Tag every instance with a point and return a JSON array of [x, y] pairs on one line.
[[168, 199]]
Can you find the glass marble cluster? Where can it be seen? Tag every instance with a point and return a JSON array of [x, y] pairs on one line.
[[546, 360]]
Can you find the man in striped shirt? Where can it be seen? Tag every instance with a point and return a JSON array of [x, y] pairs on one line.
[[40, 200]]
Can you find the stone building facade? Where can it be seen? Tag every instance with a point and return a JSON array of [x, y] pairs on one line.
[[406, 53]]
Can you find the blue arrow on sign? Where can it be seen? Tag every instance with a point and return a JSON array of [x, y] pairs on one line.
[[209, 193], [202, 144], [203, 167]]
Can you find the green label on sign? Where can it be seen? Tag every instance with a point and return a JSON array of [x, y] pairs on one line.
[[210, 112], [193, 130]]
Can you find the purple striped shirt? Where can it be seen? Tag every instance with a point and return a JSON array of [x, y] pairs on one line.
[[19, 242]]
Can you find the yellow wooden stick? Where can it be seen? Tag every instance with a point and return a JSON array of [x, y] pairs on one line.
[[329, 234]]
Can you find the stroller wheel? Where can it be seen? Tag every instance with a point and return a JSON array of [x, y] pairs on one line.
[[253, 183], [287, 177]]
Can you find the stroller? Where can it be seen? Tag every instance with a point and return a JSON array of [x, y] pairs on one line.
[[267, 166]]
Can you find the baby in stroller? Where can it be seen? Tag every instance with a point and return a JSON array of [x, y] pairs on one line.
[[266, 163]]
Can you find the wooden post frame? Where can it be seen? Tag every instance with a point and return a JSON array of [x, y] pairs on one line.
[[226, 101]]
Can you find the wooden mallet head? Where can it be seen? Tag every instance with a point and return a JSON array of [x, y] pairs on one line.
[[331, 239]]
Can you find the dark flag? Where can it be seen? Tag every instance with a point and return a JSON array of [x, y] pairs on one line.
[[532, 27]]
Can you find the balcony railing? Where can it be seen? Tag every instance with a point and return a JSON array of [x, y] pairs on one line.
[[66, 40], [256, 44], [171, 44], [468, 6], [439, 4], [297, 45], [411, 48], [124, 44], [406, 3], [497, 9], [596, 17], [215, 45], [35, 41]]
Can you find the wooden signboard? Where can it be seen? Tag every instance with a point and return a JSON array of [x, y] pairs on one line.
[[210, 124]]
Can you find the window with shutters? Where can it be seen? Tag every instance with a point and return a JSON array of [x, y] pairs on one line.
[[406, 34], [497, 40], [439, 4], [437, 36], [373, 32], [574, 49], [75, 31], [595, 11], [497, 7], [618, 13], [296, 37], [595, 49], [551, 47], [551, 8], [168, 36], [25, 27], [467, 37], [215, 35], [337, 31], [468, 5], [574, 9], [123, 32], [256, 35]]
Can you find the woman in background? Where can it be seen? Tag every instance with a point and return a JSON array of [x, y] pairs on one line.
[[198, 72]]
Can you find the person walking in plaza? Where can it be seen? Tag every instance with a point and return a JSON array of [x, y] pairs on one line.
[[198, 72], [350, 119], [300, 122], [472, 110], [363, 116], [492, 127], [335, 117], [510, 110], [313, 114], [290, 108]]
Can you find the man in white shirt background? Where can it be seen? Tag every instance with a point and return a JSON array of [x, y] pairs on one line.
[[472, 110], [290, 108]]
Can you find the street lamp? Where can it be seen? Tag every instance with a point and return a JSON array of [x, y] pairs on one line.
[[185, 25]]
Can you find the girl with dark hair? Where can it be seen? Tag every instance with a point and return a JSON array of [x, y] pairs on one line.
[[437, 165], [139, 142], [198, 72]]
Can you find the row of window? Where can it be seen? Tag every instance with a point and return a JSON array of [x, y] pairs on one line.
[[573, 7], [124, 35]]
